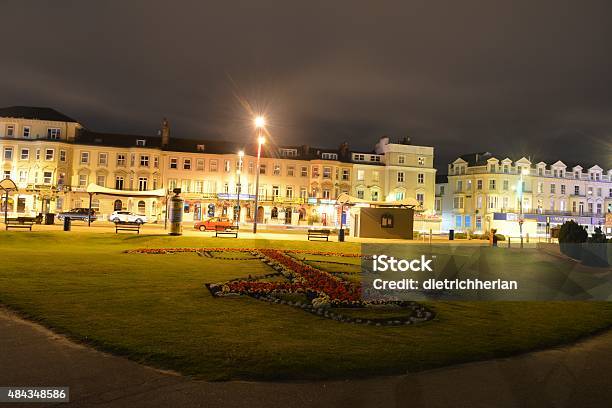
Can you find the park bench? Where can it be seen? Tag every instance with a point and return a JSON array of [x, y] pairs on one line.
[[318, 234], [127, 226], [20, 222], [221, 231]]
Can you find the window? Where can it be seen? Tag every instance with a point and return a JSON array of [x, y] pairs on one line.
[[375, 158], [173, 163], [576, 190], [8, 153], [49, 153], [7, 174], [359, 157], [277, 169], [491, 170], [142, 208], [82, 180], [227, 166], [288, 152], [156, 162], [441, 190], [26, 132], [458, 202], [421, 161], [84, 157], [186, 164], [492, 185], [458, 221], [289, 192], [25, 154], [23, 176], [562, 188], [506, 185], [346, 175], [374, 195], [326, 172], [101, 180], [144, 160], [291, 171], [401, 159], [459, 187], [119, 183], [552, 189], [262, 168], [274, 213], [329, 156], [120, 159], [400, 176], [478, 184], [251, 167], [37, 154], [304, 171], [326, 194], [62, 156], [420, 178], [142, 183], [200, 164], [47, 177], [53, 133], [540, 187], [420, 197], [438, 207], [399, 195], [360, 175], [141, 142], [386, 221], [468, 221], [102, 159], [275, 191], [315, 171], [213, 165]]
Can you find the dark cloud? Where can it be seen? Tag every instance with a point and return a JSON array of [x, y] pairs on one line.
[[520, 76]]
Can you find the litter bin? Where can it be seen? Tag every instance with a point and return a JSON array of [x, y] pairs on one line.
[[49, 219], [67, 224], [451, 235], [341, 235]]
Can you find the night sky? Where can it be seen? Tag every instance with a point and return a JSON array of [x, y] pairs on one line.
[[514, 77]]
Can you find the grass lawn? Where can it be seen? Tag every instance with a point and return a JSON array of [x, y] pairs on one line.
[[154, 309]]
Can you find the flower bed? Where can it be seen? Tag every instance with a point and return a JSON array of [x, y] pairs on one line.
[[323, 291]]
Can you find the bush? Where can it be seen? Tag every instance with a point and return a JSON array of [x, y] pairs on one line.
[[460, 235], [500, 237], [571, 236], [595, 250]]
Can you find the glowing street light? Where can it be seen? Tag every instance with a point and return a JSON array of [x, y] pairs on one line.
[[260, 122], [524, 172]]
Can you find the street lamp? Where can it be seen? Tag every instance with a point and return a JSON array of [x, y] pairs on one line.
[[238, 185], [260, 122], [524, 172]]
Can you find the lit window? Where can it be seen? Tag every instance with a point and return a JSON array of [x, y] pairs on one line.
[[84, 157], [386, 221]]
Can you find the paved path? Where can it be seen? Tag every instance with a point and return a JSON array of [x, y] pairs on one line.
[[576, 376]]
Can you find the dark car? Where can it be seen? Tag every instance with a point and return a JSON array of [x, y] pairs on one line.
[[81, 214]]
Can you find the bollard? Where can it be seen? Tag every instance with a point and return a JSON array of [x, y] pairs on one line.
[[67, 224]]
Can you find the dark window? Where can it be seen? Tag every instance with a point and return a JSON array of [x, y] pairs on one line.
[[386, 221]]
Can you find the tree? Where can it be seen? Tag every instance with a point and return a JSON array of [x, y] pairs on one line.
[[571, 237]]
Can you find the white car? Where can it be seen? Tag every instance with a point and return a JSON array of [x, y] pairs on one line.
[[126, 216]]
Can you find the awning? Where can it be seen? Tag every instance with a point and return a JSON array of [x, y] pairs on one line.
[[345, 199], [96, 189]]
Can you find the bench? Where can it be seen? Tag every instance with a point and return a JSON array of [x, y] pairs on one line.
[[20, 222], [318, 234], [127, 226], [221, 231]]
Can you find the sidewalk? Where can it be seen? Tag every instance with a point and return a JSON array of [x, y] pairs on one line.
[[575, 376]]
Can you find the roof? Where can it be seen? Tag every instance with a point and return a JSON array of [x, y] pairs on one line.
[[441, 178], [32, 112]]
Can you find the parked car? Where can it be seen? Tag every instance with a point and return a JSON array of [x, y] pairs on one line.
[[81, 214], [127, 216], [213, 223]]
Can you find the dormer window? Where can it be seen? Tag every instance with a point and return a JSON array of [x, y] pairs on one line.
[[288, 152], [375, 158], [141, 142], [359, 157], [329, 156], [200, 147]]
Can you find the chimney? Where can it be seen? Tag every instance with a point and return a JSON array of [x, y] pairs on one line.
[[165, 133], [344, 149]]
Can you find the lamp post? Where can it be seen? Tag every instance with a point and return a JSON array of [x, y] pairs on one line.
[[238, 185], [260, 122], [524, 172]]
